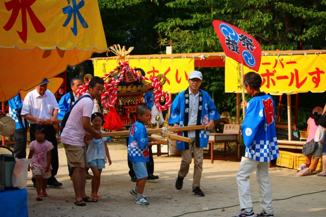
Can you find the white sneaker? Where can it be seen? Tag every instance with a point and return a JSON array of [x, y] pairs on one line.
[[244, 213], [134, 193], [141, 201], [263, 213]]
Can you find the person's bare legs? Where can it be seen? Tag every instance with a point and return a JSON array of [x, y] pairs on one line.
[[314, 164], [96, 181], [38, 184], [79, 182], [308, 161], [45, 182], [141, 185], [324, 163]]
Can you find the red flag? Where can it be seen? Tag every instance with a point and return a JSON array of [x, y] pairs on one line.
[[238, 44]]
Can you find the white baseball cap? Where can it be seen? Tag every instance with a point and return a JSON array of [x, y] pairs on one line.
[[196, 74]]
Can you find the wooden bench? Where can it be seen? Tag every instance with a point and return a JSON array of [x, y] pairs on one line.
[[286, 144], [284, 126], [230, 134]]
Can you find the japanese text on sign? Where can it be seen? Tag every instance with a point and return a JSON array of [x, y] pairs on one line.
[[285, 74]]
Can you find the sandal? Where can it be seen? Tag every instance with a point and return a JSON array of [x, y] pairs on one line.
[[39, 198], [88, 199], [96, 197], [44, 194], [322, 174], [304, 172], [80, 203]]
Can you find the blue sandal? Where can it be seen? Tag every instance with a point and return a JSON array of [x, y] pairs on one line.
[[89, 199], [80, 203]]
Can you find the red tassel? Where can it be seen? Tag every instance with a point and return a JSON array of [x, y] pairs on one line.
[[113, 121]]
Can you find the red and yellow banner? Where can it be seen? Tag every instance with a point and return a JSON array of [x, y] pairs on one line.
[[39, 39], [49, 24], [282, 74], [176, 70]]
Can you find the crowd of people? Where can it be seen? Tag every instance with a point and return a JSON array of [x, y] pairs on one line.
[[192, 106]]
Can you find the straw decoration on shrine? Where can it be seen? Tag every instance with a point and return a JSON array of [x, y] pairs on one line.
[[124, 89]]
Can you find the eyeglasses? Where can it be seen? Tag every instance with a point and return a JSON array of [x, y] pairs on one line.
[[195, 80]]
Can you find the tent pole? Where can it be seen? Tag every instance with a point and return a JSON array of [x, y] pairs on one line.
[[289, 117], [243, 96], [296, 109], [278, 118], [238, 108]]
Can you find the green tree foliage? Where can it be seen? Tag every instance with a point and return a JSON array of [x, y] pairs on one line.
[[149, 26], [131, 23], [276, 24]]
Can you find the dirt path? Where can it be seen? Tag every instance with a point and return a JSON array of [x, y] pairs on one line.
[[293, 196]]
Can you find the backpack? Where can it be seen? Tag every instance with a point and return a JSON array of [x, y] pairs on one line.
[[65, 118]]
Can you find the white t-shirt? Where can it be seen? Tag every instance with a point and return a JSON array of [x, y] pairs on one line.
[[39, 106], [74, 132]]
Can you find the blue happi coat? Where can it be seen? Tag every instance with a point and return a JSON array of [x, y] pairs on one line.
[[177, 115], [149, 99], [258, 129], [15, 104], [64, 105], [138, 150]]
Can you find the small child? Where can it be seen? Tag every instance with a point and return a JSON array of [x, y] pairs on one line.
[[138, 152], [40, 152], [97, 153]]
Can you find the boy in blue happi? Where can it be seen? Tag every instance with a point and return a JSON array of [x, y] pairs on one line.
[[193, 107], [259, 136], [138, 152]]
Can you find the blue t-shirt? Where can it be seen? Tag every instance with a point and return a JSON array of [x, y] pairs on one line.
[[138, 150]]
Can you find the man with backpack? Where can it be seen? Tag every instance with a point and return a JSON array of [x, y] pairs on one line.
[[65, 104], [72, 136]]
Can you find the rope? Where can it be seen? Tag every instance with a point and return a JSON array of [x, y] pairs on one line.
[[110, 94]]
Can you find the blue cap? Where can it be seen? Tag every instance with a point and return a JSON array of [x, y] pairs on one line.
[[45, 81]]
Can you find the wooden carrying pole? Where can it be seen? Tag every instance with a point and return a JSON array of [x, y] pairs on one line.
[[153, 131], [160, 140], [179, 138]]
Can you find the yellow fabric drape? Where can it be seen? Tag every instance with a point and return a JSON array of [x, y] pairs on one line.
[[40, 39]]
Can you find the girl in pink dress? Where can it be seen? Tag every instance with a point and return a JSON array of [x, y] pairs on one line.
[[40, 152]]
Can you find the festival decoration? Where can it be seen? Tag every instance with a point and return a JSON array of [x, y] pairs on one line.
[[238, 44], [123, 91], [39, 39]]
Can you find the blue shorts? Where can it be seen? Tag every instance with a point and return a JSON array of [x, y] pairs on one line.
[[140, 169], [99, 163]]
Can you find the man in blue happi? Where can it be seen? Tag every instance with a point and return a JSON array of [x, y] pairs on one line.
[[20, 134], [259, 136], [193, 107], [69, 98]]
